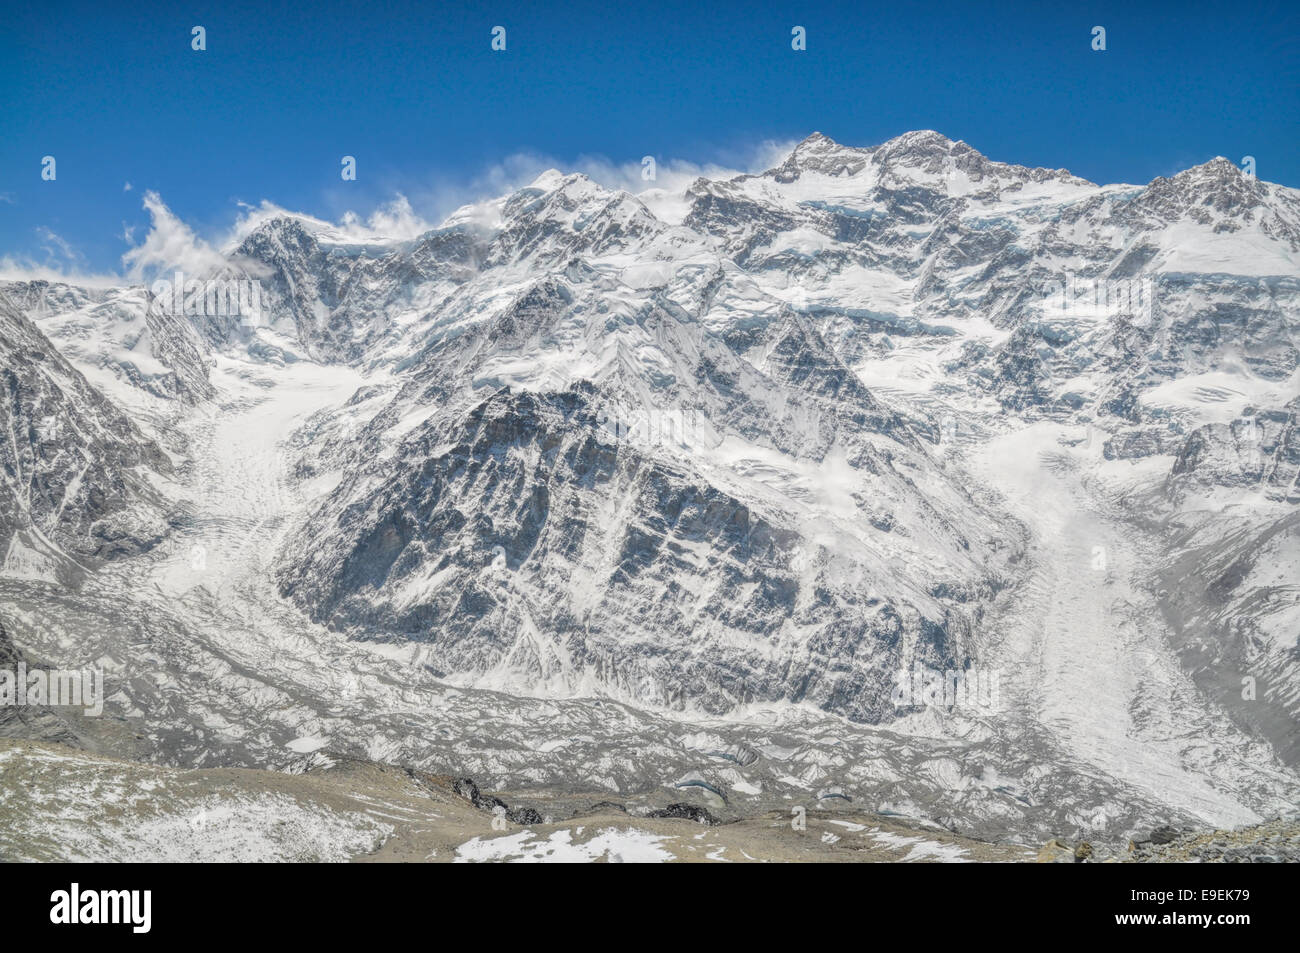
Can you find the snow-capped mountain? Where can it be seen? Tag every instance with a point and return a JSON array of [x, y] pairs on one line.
[[594, 490]]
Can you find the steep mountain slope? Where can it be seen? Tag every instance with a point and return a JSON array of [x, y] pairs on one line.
[[80, 483], [121, 335]]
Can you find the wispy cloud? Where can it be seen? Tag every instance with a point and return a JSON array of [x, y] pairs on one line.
[[63, 263], [170, 243], [395, 220], [58, 251]]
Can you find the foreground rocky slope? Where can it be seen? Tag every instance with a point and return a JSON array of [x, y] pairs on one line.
[[1274, 842], [360, 812]]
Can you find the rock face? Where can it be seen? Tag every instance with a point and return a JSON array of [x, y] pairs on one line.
[[1275, 841], [531, 546], [706, 479], [125, 335], [32, 722], [75, 472], [584, 366]]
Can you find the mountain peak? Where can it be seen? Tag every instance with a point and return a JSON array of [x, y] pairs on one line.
[[1217, 169], [1218, 185], [922, 146], [815, 140], [821, 154], [919, 149], [819, 144], [548, 181], [922, 139]]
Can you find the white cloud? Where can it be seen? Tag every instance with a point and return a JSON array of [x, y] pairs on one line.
[[170, 244], [57, 250], [394, 220], [63, 264], [21, 269]]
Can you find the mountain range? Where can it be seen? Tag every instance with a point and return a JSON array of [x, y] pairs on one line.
[[669, 493]]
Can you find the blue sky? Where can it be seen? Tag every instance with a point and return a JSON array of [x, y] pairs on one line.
[[415, 93]]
